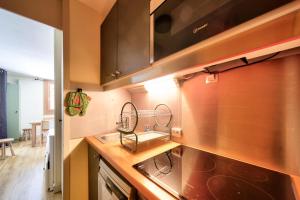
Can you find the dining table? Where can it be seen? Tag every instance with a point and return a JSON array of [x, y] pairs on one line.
[[33, 132]]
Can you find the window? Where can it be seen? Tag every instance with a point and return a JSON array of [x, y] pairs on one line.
[[49, 98]]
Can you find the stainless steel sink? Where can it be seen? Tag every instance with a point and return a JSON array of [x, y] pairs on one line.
[[109, 138]]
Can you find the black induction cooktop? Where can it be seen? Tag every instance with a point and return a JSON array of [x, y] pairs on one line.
[[188, 173]]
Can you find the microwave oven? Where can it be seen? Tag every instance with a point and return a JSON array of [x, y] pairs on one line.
[[178, 24]]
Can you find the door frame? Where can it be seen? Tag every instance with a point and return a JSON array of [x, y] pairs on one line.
[[58, 111], [58, 84]]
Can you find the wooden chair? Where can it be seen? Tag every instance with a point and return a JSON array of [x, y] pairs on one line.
[[3, 143], [44, 130], [26, 133]]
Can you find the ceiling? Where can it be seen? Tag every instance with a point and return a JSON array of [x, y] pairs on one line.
[[26, 46], [101, 6]]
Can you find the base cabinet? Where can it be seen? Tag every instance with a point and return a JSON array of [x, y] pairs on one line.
[[93, 166]]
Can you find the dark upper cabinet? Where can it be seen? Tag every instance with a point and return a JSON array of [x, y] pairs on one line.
[[93, 166], [109, 45], [125, 39], [133, 35]]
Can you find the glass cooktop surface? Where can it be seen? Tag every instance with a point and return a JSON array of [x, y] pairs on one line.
[[188, 173]]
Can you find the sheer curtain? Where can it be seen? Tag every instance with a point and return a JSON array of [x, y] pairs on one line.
[[3, 119]]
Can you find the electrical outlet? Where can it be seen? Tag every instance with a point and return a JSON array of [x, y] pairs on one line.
[[176, 132], [213, 78]]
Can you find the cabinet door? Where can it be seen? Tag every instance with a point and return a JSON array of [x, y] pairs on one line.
[[133, 35], [109, 45], [93, 159]]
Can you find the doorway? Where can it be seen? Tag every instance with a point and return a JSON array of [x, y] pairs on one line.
[[12, 99], [33, 98]]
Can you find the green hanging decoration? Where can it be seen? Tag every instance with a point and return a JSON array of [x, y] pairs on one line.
[[76, 103]]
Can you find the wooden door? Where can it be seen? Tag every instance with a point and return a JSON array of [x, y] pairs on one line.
[[12, 105]]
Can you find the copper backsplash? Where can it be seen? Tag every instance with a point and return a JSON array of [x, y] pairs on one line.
[[251, 114]]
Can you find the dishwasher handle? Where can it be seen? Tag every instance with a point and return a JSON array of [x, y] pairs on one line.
[[114, 190]]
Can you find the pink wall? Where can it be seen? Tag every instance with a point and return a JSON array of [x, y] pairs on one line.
[[146, 101], [102, 114], [251, 114]]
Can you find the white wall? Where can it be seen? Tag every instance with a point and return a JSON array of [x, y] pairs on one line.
[[31, 101]]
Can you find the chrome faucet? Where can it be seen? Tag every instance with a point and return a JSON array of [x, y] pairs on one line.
[[123, 123], [147, 127]]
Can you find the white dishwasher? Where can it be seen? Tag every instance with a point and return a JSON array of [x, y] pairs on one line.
[[111, 186]]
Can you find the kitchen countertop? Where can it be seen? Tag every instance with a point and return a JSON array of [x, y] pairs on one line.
[[122, 160]]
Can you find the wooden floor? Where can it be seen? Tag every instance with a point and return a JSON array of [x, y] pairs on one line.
[[22, 176]]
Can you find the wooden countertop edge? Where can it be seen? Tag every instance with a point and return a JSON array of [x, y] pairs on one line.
[[146, 187], [296, 185]]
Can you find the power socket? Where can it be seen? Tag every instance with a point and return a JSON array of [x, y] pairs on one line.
[[176, 132], [212, 78]]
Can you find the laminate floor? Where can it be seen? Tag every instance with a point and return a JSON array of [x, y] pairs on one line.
[[22, 176]]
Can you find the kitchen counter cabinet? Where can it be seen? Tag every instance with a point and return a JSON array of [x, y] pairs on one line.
[[93, 166], [261, 36], [125, 39], [133, 35], [122, 160], [109, 45]]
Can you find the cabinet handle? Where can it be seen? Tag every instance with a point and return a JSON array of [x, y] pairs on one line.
[[117, 72]]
